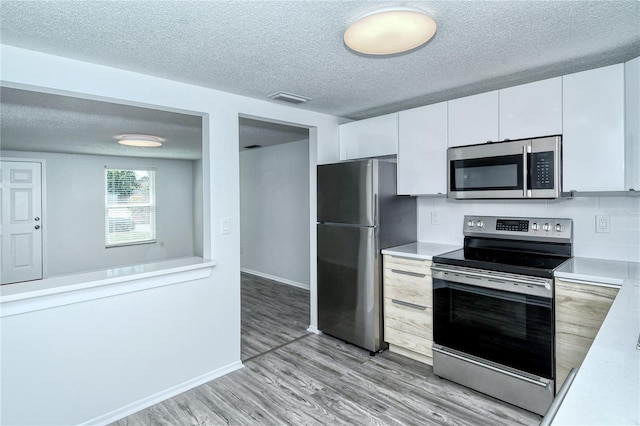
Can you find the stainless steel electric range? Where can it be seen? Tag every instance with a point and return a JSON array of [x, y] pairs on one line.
[[493, 316]]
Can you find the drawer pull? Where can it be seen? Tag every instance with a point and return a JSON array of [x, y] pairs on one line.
[[413, 274], [408, 305]]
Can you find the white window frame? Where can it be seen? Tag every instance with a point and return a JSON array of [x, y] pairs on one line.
[[110, 242]]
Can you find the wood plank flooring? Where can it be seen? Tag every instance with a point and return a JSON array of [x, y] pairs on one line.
[[318, 380], [272, 314]]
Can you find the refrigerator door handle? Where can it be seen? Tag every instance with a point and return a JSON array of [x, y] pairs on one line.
[[375, 209]]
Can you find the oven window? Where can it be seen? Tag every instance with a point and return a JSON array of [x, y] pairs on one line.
[[495, 173], [511, 329]]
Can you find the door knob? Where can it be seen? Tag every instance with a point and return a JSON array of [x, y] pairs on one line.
[[36, 219], [37, 227]]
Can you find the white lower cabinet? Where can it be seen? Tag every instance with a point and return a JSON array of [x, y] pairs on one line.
[[408, 307], [580, 309]]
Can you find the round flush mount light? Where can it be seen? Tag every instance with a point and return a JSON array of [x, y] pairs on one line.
[[390, 31], [144, 141]]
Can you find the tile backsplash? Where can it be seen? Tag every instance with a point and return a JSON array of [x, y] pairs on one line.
[[440, 221]]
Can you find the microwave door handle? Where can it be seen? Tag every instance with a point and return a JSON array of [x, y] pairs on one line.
[[525, 169]]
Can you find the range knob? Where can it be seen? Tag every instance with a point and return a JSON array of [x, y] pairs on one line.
[[470, 223], [559, 227], [535, 226], [480, 224], [546, 227]]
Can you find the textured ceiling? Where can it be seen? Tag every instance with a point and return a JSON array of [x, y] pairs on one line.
[[256, 48], [42, 122]]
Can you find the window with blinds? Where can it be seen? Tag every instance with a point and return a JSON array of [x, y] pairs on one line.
[[130, 207]]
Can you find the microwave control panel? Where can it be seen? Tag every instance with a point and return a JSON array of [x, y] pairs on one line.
[[541, 175]]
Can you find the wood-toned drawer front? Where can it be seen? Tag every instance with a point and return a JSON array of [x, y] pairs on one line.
[[409, 319], [408, 328], [406, 265], [418, 292], [410, 341]]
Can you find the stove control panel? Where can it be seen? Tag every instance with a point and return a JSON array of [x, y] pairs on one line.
[[535, 228]]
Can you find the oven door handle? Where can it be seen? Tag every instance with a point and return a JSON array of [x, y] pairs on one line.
[[488, 277]]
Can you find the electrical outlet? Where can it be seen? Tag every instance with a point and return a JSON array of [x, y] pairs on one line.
[[435, 218], [603, 224]]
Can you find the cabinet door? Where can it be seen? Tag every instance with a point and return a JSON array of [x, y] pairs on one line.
[[422, 150], [473, 119], [593, 130], [632, 124], [580, 311], [373, 137], [531, 110]]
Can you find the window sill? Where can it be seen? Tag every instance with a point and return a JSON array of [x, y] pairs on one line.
[[67, 289]]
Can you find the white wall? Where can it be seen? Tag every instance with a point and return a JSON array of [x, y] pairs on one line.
[[74, 221], [198, 196], [274, 212], [211, 308], [101, 359], [622, 243]]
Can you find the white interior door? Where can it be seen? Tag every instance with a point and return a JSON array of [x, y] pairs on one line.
[[20, 221]]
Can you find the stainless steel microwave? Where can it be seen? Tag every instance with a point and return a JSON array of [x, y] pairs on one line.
[[519, 169]]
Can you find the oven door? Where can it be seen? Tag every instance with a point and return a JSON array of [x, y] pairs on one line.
[[494, 319]]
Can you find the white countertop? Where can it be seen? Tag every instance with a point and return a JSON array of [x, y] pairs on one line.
[[606, 390], [420, 250], [87, 280], [613, 272], [54, 292]]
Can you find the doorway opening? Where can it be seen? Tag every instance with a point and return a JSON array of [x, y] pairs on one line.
[[274, 234]]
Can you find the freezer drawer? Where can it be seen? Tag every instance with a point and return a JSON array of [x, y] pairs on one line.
[[349, 285]]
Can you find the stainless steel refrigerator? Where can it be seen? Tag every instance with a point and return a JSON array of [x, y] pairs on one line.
[[359, 214]]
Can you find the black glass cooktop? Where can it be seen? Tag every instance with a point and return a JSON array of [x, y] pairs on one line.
[[514, 257]]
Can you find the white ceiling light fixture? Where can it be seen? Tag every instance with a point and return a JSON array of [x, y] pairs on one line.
[[390, 31], [144, 141]]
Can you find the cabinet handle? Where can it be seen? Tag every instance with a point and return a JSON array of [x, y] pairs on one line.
[[412, 274], [408, 305]]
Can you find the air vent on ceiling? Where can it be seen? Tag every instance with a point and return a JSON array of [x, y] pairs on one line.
[[289, 97], [252, 146]]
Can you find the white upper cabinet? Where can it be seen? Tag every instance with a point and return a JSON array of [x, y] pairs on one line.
[[373, 137], [473, 119], [593, 145], [531, 110], [422, 150], [632, 124]]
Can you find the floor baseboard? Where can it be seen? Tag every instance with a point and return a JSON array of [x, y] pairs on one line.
[[147, 402], [274, 278]]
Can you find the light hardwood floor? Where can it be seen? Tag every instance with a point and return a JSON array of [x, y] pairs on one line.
[[306, 379]]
